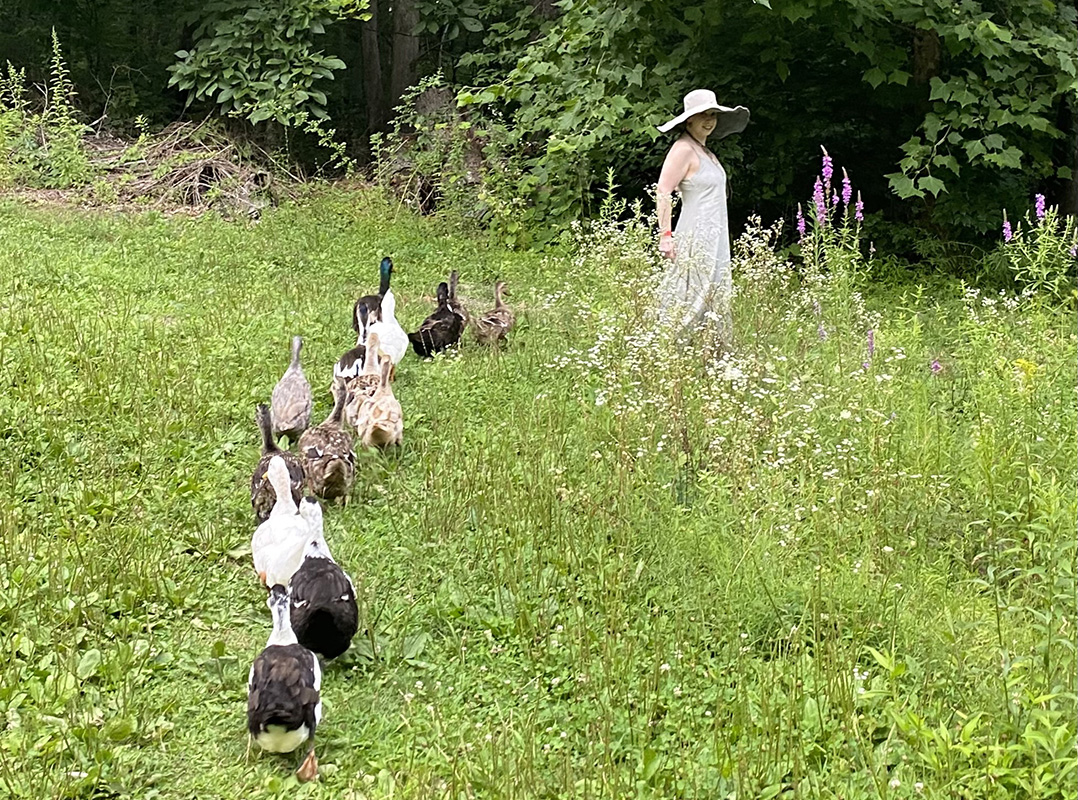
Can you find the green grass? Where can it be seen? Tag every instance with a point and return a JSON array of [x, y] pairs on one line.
[[602, 565]]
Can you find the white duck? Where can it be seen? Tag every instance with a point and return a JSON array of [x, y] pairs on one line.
[[277, 544], [284, 703], [392, 339]]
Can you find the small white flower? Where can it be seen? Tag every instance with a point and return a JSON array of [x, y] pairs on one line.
[[664, 668], [894, 783]]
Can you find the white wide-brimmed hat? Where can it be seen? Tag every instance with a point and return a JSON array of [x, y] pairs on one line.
[[731, 120]]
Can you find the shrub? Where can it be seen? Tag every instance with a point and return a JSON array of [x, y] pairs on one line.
[[42, 148]]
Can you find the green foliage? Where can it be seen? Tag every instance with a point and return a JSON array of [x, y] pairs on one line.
[[974, 97], [583, 97], [996, 105], [260, 61], [604, 564], [41, 148], [434, 158]]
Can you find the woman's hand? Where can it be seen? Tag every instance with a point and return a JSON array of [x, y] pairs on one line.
[[667, 248]]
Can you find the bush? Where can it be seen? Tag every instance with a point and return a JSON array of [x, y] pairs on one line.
[[41, 148]]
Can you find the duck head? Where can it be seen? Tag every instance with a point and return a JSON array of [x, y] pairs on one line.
[[277, 472], [385, 271]]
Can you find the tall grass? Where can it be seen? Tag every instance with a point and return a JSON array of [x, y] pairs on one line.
[[604, 564]]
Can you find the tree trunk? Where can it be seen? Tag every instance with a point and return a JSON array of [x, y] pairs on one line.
[[405, 49], [373, 88], [926, 56]]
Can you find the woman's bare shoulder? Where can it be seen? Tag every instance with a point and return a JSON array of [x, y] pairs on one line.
[[681, 147]]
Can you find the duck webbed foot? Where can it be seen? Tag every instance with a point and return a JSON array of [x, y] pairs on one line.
[[308, 770]]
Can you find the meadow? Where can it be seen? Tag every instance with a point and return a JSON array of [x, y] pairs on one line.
[[834, 560]]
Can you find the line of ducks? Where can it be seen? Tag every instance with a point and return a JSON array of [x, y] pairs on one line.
[[312, 600]]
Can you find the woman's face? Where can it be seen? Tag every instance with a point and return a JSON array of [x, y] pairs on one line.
[[701, 125]]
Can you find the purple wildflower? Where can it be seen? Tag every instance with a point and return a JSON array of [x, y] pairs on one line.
[[834, 197], [1008, 234], [1074, 250], [865, 366], [820, 202], [828, 167], [871, 340], [800, 222], [1040, 206], [821, 332], [847, 189], [936, 366], [859, 209]]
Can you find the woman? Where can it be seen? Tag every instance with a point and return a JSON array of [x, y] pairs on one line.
[[698, 279]]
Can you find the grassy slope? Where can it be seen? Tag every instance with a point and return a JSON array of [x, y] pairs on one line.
[[561, 602]]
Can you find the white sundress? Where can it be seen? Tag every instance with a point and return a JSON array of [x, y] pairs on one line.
[[699, 280]]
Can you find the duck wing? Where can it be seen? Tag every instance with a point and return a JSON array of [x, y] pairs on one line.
[[282, 689]]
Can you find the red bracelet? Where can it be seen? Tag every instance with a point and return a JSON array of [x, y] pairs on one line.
[[666, 233]]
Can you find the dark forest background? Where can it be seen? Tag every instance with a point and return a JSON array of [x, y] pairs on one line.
[[945, 113]]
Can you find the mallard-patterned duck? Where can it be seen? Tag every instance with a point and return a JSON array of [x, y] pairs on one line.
[[284, 703], [325, 616], [492, 327], [373, 302], [328, 457], [277, 544], [263, 495], [391, 336], [440, 330], [290, 403], [380, 422], [362, 387]]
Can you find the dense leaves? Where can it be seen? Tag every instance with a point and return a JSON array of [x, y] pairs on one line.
[[259, 61], [945, 112], [917, 92]]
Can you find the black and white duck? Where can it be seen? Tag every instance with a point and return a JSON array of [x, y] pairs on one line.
[[277, 544], [291, 401], [373, 302], [263, 495], [329, 459], [284, 704], [325, 616], [350, 364], [440, 330]]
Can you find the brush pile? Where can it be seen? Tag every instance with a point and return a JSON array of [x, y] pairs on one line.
[[186, 168]]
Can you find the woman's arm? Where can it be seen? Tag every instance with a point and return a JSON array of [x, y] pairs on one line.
[[675, 168]]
